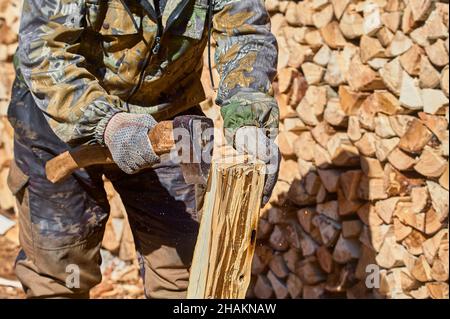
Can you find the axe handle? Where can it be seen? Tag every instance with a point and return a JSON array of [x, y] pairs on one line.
[[63, 165]]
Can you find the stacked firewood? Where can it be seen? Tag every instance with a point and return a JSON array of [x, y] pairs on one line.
[[361, 207], [9, 24]]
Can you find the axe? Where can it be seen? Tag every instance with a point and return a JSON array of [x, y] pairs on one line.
[[191, 135]]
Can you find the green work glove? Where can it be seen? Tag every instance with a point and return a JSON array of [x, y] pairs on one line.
[[126, 136]]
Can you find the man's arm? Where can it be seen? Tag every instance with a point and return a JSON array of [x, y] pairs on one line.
[[246, 58], [75, 104]]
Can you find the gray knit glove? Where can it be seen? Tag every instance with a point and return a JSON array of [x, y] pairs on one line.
[[252, 140], [126, 136]]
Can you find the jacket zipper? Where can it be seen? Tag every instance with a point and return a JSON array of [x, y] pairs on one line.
[[156, 46]]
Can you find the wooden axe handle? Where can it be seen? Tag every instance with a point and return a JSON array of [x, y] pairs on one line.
[[63, 165]]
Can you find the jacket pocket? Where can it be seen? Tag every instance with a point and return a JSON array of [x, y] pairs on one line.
[[17, 180], [120, 22]]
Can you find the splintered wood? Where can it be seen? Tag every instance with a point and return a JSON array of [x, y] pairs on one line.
[[221, 267]]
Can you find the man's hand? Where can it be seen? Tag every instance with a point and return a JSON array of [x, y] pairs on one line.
[[126, 136], [252, 140]]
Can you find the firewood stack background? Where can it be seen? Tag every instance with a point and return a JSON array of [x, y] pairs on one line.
[[361, 206]]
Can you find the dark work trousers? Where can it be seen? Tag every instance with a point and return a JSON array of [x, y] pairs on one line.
[[62, 224]]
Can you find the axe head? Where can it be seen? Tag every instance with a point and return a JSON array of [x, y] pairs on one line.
[[194, 139]]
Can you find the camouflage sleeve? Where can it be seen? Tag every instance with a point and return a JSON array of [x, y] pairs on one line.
[[75, 104], [246, 58]]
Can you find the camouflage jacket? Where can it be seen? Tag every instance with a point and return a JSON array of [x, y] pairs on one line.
[[86, 60]]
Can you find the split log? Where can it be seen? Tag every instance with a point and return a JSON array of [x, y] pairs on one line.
[[410, 93], [310, 272], [401, 123], [330, 179], [305, 216], [430, 163], [372, 167], [422, 270], [329, 209], [342, 151], [401, 160], [429, 76], [279, 288], [372, 189], [433, 100], [368, 215], [385, 36], [339, 7], [354, 130], [416, 137], [401, 231], [432, 222], [383, 126], [294, 286], [370, 48], [347, 207], [277, 239], [322, 56], [261, 259], [420, 9], [332, 35], [411, 60], [391, 20], [362, 78], [413, 243], [437, 53], [404, 213], [385, 208], [346, 250], [329, 230], [391, 254], [350, 100], [384, 147], [419, 199], [351, 228], [439, 196], [366, 145], [351, 25], [334, 114], [372, 18], [325, 259], [399, 45], [313, 73], [212, 253], [263, 288], [431, 246], [391, 74], [322, 133], [436, 124], [399, 184], [438, 290]]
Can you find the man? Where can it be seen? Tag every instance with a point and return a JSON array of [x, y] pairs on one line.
[[104, 72]]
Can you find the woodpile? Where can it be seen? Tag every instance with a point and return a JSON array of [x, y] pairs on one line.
[[363, 192], [9, 23]]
